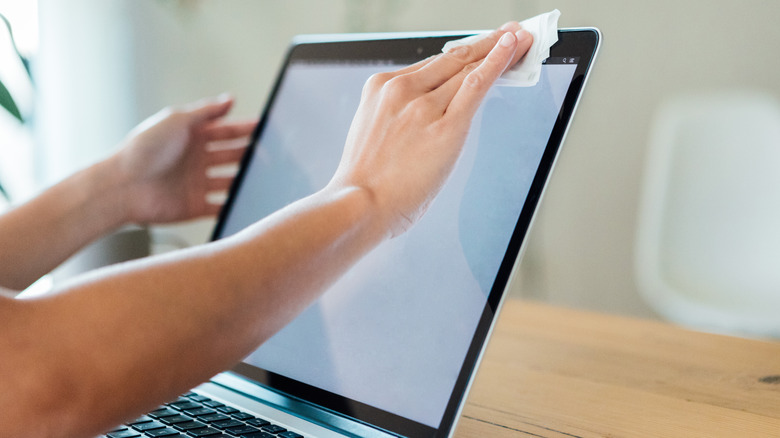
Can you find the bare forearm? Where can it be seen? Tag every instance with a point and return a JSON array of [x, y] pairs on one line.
[[169, 323], [129, 337], [39, 235]]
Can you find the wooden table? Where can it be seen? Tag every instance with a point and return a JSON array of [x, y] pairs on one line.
[[551, 372]]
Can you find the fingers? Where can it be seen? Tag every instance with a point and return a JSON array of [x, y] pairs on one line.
[[475, 84], [226, 143], [225, 156], [454, 60], [511, 26], [438, 79], [444, 94], [229, 131], [436, 71], [218, 184], [441, 98], [432, 72], [215, 195], [524, 42], [448, 64], [414, 67]]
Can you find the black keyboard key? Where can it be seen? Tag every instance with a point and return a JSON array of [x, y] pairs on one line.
[[127, 433], [197, 412], [289, 434], [206, 431], [167, 432], [258, 435], [213, 417], [143, 427], [183, 398], [227, 410], [199, 398], [273, 429], [213, 404], [142, 419], [163, 412], [189, 426], [227, 423], [175, 419], [258, 422], [241, 430], [243, 416], [184, 405]]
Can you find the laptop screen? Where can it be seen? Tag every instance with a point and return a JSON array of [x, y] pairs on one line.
[[391, 340]]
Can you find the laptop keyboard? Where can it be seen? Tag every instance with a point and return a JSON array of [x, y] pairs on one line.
[[194, 415]]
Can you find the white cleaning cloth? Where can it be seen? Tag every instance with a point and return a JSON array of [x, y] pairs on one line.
[[544, 29]]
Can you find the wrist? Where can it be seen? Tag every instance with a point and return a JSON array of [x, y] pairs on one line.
[[383, 211], [108, 194], [360, 206]]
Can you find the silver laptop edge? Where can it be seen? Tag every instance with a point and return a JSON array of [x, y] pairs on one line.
[[524, 245]]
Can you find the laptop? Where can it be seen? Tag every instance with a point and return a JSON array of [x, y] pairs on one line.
[[391, 348]]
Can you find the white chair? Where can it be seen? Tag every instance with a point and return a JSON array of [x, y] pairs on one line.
[[708, 239]]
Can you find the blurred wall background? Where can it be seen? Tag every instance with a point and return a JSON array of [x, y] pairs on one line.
[[104, 65]]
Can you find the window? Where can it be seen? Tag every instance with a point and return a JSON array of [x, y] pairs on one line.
[[16, 139]]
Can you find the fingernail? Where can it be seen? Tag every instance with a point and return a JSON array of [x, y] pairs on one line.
[[507, 40], [522, 35]]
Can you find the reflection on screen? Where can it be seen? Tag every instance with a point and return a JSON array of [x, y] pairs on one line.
[[393, 332]]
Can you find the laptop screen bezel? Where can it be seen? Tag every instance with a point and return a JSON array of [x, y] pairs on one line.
[[406, 48]]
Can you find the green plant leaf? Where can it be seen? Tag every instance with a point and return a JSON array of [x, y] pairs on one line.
[[7, 102]]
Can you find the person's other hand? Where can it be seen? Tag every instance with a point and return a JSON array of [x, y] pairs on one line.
[[411, 124], [166, 159]]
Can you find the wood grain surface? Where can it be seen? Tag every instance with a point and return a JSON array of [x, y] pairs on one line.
[[552, 372]]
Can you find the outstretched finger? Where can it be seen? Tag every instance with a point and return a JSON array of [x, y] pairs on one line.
[[443, 95], [225, 156], [511, 26], [228, 131], [414, 67], [448, 64], [476, 84]]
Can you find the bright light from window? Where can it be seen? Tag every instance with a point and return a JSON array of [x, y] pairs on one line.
[[23, 15], [16, 140]]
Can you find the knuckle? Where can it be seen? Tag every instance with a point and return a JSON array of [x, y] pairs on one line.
[[399, 86], [475, 79], [462, 54], [469, 68], [378, 80], [420, 108], [375, 83]]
